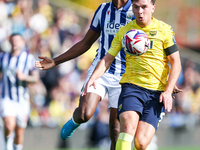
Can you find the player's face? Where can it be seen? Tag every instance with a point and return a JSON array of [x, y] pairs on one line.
[[17, 42], [143, 10]]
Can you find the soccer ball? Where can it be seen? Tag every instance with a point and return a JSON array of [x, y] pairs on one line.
[[135, 42]]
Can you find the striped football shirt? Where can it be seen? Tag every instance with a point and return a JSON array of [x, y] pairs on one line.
[[108, 20], [11, 87]]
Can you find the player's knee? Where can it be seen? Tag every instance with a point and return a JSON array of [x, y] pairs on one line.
[[87, 115], [141, 146], [82, 116], [141, 143], [129, 128], [9, 127]]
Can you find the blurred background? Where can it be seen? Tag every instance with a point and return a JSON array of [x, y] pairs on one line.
[[51, 27]]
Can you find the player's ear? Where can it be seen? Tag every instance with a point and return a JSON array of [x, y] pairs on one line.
[[153, 9]]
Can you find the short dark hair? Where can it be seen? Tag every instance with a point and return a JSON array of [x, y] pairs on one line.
[[152, 1], [14, 34]]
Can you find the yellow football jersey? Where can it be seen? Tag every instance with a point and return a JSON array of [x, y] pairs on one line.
[[149, 70]]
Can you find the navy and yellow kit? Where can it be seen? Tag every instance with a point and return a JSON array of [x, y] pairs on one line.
[[149, 70]]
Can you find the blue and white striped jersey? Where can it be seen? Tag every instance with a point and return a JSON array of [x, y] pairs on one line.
[[108, 20], [11, 87]]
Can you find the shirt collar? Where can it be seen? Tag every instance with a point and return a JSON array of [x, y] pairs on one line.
[[125, 8]]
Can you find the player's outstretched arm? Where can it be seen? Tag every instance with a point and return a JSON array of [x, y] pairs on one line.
[[100, 69], [79, 48], [75, 51]]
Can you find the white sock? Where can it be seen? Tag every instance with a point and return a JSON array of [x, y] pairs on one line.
[[75, 122], [18, 146], [10, 141]]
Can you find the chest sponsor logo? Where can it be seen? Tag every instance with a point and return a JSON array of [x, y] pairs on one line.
[[112, 28]]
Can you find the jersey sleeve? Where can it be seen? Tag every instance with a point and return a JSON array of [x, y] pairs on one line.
[[95, 24], [116, 44], [170, 45], [1, 57], [31, 62]]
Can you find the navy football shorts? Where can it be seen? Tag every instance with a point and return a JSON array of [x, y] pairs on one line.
[[142, 100]]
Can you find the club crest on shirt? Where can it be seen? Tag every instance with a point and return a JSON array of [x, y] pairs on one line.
[[129, 15], [152, 33]]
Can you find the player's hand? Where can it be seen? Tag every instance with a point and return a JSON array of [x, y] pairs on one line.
[[166, 98], [46, 63], [91, 82], [176, 90]]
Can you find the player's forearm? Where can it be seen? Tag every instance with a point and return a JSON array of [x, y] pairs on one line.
[[99, 70], [33, 78], [75, 51], [79, 48], [173, 76], [102, 66]]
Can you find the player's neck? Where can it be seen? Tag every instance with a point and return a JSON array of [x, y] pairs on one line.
[[15, 52], [119, 3]]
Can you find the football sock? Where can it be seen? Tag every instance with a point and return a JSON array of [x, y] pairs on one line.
[[124, 141], [9, 141], [75, 122], [68, 129], [18, 147]]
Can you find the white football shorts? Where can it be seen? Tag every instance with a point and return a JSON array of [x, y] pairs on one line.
[[108, 83], [20, 110]]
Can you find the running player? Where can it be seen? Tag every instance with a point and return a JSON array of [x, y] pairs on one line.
[[107, 20], [18, 69], [146, 93]]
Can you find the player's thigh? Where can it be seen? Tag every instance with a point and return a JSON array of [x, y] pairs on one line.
[[86, 108], [8, 113], [9, 123], [129, 121], [23, 113], [92, 97], [153, 112], [89, 102], [144, 133], [113, 115], [8, 108]]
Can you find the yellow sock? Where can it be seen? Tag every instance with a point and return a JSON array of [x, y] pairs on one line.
[[124, 141]]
